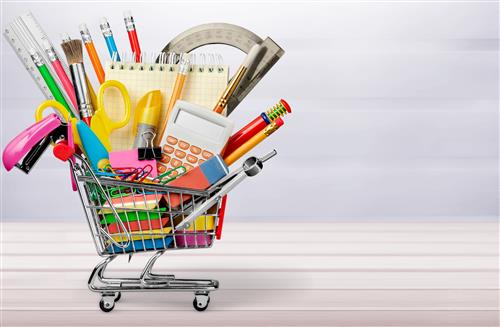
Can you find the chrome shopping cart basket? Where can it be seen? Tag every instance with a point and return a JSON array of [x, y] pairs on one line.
[[131, 217]]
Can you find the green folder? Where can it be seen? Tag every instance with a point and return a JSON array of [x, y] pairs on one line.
[[109, 218]]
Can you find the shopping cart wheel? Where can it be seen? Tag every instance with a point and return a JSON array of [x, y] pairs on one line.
[[201, 301], [107, 304]]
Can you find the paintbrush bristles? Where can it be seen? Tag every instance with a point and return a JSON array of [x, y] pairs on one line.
[[73, 51]]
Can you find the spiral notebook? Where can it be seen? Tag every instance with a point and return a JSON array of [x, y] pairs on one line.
[[204, 84]]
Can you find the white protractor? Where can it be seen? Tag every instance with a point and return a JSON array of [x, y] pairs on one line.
[[238, 37]]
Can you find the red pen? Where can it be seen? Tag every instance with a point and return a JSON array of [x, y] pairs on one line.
[[255, 126], [132, 35]]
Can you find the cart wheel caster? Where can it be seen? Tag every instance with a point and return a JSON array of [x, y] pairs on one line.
[[200, 302], [118, 296], [106, 305]]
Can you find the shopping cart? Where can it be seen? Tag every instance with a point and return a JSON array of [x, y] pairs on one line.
[[131, 217]]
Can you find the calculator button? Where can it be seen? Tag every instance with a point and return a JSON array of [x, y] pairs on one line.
[[180, 154], [207, 154], [165, 158], [183, 145], [162, 168], [168, 149], [192, 159], [171, 140], [195, 149], [173, 173], [201, 161], [188, 167], [175, 162]]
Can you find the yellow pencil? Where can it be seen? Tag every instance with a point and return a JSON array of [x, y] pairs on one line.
[[176, 93], [230, 158]]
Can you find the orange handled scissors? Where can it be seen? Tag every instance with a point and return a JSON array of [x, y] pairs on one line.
[[101, 124]]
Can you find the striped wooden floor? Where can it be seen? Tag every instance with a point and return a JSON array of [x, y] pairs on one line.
[[324, 274]]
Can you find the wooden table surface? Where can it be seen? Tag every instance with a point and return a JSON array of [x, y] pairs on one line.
[[276, 274]]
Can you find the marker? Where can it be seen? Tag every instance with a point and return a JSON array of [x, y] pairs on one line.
[[132, 35], [49, 80], [110, 40]]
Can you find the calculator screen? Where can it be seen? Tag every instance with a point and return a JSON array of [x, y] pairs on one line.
[[199, 125]]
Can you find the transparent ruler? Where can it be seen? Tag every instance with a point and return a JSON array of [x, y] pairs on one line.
[[238, 37], [25, 33]]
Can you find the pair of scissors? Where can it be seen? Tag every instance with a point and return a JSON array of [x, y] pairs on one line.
[[101, 124]]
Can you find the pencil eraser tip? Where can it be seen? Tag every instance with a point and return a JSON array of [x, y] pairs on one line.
[[103, 20], [82, 27], [127, 14], [286, 105]]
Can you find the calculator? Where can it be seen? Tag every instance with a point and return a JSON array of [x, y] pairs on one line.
[[193, 135]]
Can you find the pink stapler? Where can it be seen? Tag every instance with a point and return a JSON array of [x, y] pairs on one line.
[[32, 142]]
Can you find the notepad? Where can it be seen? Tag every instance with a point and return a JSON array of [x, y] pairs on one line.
[[204, 85]]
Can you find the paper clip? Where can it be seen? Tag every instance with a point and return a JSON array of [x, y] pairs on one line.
[[159, 178], [141, 174]]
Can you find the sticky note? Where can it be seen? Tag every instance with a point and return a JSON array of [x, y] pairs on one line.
[[130, 158]]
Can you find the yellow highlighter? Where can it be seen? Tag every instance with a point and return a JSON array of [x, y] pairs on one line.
[[147, 116]]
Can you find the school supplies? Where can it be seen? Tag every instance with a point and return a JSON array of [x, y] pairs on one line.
[[93, 148], [25, 33], [204, 84], [129, 158], [238, 37], [235, 80], [194, 134], [73, 51], [176, 93], [147, 116], [110, 40], [230, 158], [132, 35], [61, 73], [49, 80], [256, 125], [27, 141], [199, 178], [141, 245], [196, 233], [101, 124], [91, 51], [144, 223], [251, 167]]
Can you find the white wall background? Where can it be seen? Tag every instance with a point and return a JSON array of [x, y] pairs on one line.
[[395, 106]]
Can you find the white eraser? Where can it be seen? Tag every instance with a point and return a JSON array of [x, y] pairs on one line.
[[104, 21], [127, 14]]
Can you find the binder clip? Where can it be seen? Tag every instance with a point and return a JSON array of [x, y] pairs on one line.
[[149, 152]]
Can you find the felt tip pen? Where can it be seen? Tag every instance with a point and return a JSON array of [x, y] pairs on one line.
[[110, 40], [94, 57], [132, 34], [61, 73], [49, 80]]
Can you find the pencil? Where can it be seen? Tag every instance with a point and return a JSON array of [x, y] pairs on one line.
[[94, 57], [176, 92]]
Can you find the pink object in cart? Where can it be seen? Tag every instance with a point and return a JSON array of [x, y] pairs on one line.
[[26, 140]]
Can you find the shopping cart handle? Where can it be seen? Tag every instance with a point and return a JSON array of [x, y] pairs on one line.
[[251, 167]]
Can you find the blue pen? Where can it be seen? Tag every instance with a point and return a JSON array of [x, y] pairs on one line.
[[110, 40]]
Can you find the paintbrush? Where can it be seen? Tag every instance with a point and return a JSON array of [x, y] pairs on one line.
[[74, 55]]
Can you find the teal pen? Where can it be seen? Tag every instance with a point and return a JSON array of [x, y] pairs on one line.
[[110, 40]]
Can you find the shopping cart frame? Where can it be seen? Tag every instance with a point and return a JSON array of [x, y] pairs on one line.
[[205, 204]]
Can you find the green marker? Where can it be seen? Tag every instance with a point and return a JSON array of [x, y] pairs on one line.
[[49, 80]]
